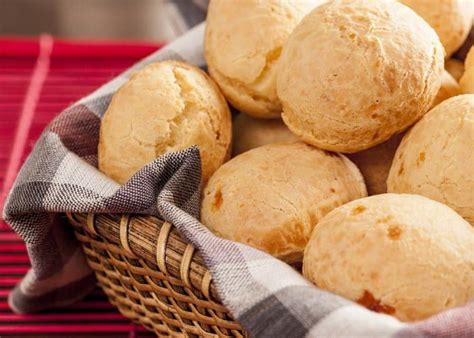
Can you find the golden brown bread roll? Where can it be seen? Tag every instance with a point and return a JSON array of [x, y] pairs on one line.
[[436, 157], [451, 19], [403, 255], [467, 79], [374, 163], [249, 133], [272, 197], [354, 73], [166, 106], [242, 46]]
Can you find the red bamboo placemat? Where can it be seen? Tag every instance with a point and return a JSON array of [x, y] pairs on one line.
[[38, 78]]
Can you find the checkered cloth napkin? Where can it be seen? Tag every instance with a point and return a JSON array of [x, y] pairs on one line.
[[265, 295]]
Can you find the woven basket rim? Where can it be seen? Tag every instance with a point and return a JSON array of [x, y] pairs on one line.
[[152, 275], [169, 245]]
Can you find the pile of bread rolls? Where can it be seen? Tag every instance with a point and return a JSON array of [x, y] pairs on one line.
[[337, 100]]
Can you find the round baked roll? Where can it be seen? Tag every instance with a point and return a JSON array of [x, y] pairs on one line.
[[243, 42], [451, 19], [403, 255], [467, 80], [454, 67], [166, 106], [436, 157], [374, 164], [272, 197], [354, 73], [249, 133], [449, 88]]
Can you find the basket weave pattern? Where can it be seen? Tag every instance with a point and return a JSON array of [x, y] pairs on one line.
[[152, 275]]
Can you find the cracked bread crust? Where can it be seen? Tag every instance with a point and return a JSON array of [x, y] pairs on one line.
[[165, 107], [413, 255], [243, 42], [271, 197], [451, 19], [354, 73], [436, 157]]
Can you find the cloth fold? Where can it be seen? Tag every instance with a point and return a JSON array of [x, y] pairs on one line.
[[265, 295]]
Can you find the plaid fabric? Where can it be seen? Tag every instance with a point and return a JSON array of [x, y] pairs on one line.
[[267, 296]]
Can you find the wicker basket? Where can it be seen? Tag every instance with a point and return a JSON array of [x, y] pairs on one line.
[[152, 275]]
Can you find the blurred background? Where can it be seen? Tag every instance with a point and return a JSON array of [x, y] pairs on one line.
[[143, 20]]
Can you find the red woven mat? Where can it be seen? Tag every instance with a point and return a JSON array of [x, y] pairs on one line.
[[39, 78]]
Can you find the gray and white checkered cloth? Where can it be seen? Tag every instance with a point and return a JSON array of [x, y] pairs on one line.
[[265, 295]]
